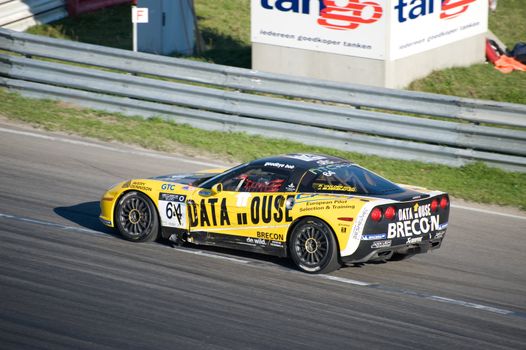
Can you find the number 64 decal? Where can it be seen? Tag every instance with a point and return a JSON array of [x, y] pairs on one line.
[[173, 214], [173, 209]]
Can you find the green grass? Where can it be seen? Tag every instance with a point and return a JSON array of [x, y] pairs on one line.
[[508, 23], [483, 81], [107, 27], [475, 182], [225, 27]]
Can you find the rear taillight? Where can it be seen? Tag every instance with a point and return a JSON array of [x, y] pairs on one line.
[[434, 205], [444, 202], [376, 214], [390, 213]]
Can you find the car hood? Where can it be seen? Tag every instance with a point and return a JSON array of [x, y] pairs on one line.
[[192, 179]]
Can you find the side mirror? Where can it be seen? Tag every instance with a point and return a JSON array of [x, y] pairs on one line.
[[288, 202], [217, 188]]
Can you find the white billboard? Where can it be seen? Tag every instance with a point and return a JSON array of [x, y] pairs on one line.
[[379, 29], [349, 27], [421, 25]]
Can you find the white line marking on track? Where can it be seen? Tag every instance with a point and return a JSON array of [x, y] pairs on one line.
[[108, 148], [85, 230], [376, 286], [470, 305], [51, 224], [346, 280], [485, 211]]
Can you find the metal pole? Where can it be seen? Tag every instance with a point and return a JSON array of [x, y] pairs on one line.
[[135, 36], [134, 27]]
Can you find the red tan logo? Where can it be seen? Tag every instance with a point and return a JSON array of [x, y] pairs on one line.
[[350, 16], [453, 8]]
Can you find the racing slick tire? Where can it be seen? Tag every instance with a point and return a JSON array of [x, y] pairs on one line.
[[313, 247], [137, 218]]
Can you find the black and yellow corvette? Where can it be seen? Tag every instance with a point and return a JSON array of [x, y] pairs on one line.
[[321, 211]]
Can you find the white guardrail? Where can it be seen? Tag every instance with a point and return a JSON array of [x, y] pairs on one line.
[[208, 96], [22, 14]]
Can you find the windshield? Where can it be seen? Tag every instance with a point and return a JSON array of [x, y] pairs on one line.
[[346, 178], [220, 177], [247, 178]]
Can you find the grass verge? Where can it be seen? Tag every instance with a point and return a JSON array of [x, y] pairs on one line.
[[475, 182], [483, 81]]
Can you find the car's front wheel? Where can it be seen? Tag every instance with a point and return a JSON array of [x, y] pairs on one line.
[[136, 218], [313, 247]]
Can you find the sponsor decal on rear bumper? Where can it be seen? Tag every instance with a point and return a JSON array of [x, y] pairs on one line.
[[413, 227], [414, 221], [374, 237], [381, 244]]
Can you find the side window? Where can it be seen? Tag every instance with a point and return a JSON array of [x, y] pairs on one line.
[[346, 178], [330, 182], [255, 180]]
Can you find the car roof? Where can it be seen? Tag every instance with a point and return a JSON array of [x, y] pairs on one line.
[[298, 161]]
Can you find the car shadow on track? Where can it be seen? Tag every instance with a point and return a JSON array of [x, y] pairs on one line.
[[85, 215]]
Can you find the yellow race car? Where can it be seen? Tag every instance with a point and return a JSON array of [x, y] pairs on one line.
[[321, 211]]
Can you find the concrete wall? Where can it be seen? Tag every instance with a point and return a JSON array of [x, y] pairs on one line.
[[392, 74], [401, 72]]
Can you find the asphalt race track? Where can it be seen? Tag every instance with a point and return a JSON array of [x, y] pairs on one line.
[[66, 282]]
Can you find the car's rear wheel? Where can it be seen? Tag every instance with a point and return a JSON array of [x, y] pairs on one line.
[[313, 247], [137, 218]]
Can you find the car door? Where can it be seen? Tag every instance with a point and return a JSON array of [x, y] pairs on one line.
[[246, 208]]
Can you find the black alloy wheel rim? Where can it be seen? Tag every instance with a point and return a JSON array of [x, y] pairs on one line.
[[311, 246], [135, 216]]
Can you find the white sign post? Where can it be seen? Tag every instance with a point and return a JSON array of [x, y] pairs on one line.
[[139, 15]]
